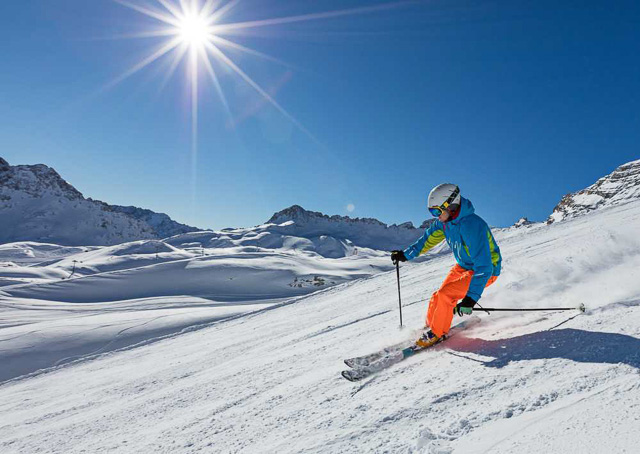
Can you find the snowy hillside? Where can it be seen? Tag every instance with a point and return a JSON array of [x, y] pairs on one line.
[[256, 376], [130, 292], [620, 186], [36, 204]]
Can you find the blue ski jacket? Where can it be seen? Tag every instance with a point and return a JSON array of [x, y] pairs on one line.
[[472, 243]]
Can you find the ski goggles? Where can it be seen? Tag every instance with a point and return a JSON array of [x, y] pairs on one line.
[[436, 211]]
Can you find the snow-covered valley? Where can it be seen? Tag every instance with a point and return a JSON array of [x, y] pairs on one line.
[[62, 303], [141, 359]]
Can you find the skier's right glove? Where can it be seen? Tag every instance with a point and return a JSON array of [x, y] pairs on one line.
[[464, 307], [398, 256]]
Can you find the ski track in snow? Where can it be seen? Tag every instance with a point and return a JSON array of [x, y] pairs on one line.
[[269, 380]]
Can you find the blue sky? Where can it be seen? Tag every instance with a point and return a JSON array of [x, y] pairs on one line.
[[518, 102]]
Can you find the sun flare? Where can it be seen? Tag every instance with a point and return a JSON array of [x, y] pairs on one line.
[[198, 31], [194, 30]]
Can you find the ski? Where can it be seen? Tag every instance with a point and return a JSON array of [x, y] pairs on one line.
[[364, 366], [364, 361]]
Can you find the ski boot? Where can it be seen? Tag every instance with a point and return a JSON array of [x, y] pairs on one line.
[[428, 339]]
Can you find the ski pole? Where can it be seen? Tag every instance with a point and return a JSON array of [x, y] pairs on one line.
[[580, 308], [399, 298]]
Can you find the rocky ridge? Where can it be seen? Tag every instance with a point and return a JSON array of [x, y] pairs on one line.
[[620, 186]]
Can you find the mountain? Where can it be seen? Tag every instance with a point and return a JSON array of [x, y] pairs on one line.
[[295, 228], [620, 186], [364, 232], [37, 204]]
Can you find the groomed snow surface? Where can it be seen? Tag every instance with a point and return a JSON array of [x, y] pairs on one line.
[[267, 379]]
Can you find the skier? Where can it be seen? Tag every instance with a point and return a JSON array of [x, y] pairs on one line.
[[475, 250]]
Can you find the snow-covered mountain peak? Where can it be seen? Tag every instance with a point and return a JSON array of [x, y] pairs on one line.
[[37, 204], [299, 215], [35, 180], [620, 186], [292, 213]]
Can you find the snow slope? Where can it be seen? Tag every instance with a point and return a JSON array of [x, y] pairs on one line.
[[60, 303], [268, 380]]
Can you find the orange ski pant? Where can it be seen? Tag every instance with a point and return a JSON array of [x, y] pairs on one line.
[[454, 288]]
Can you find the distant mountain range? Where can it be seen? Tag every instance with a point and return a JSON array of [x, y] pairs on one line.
[[302, 230], [37, 204]]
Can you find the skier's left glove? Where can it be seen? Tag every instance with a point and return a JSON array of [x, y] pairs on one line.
[[398, 256], [464, 307]]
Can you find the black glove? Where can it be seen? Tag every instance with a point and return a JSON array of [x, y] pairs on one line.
[[464, 307], [398, 256]]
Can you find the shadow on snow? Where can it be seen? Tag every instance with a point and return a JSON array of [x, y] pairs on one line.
[[574, 344]]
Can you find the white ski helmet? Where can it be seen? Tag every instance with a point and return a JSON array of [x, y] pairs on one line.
[[442, 197]]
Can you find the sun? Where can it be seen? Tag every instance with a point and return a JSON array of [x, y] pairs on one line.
[[194, 30]]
